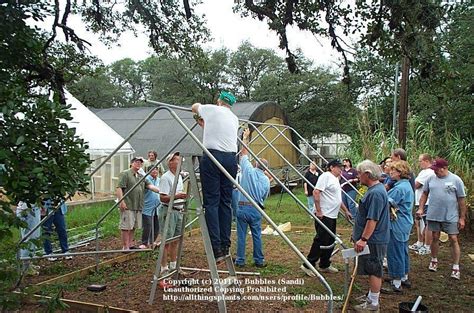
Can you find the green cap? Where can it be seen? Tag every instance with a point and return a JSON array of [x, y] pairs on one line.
[[227, 97]]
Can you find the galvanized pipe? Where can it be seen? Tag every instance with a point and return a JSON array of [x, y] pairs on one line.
[[143, 178], [262, 212]]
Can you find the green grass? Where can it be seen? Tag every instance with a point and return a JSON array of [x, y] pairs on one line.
[[287, 209], [84, 218]]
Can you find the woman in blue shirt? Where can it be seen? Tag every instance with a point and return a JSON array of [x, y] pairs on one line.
[[150, 212], [401, 197]]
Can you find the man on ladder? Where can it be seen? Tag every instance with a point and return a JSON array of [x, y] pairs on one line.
[[220, 138]]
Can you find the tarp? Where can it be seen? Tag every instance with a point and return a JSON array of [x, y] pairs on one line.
[[100, 137]]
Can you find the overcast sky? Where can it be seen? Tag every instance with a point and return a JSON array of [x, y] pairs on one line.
[[228, 30]]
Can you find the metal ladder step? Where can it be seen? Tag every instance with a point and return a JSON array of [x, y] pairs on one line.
[[228, 281]]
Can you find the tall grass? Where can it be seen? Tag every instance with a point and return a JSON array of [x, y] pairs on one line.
[[374, 142]]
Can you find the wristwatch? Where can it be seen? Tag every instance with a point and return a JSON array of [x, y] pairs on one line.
[[363, 239]]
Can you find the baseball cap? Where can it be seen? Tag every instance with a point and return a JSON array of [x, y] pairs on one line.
[[439, 163], [170, 156], [138, 158], [335, 162], [227, 97]]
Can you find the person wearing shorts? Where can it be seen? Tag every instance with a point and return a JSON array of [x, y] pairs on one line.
[[423, 244], [447, 211], [175, 214], [371, 227], [132, 205]]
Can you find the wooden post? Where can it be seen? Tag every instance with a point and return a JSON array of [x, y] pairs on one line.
[[403, 110]]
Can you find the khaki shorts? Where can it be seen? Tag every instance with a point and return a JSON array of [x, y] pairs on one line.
[[175, 223], [130, 220]]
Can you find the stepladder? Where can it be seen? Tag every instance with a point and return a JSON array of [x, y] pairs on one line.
[[220, 285]]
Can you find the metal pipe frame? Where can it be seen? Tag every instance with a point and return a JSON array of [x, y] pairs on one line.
[[151, 169], [262, 212], [189, 132], [286, 127], [60, 255], [23, 239], [336, 238], [301, 175]]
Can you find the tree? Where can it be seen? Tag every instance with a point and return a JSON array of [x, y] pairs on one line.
[[313, 99], [40, 156], [127, 77], [96, 90], [247, 65], [392, 28], [443, 97]]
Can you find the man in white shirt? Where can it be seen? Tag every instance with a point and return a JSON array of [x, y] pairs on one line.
[[423, 244], [220, 138], [176, 215], [327, 201]]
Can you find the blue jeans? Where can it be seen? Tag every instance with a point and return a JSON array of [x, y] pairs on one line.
[[349, 203], [60, 224], [397, 258], [217, 197], [247, 215], [311, 203], [235, 203]]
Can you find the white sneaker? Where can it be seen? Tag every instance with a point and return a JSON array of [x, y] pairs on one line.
[[330, 269], [52, 259], [414, 247], [423, 251], [307, 271], [68, 257], [367, 306], [385, 263], [456, 274], [433, 267]]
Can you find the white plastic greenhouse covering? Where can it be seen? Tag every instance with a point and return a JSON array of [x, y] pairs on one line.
[[102, 140]]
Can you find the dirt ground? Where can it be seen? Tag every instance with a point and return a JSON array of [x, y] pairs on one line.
[[281, 286]]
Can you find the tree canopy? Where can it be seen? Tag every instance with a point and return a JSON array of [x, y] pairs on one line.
[[390, 28], [40, 156]]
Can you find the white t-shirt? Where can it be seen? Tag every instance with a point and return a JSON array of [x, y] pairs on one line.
[[166, 185], [422, 178], [330, 199], [220, 128]]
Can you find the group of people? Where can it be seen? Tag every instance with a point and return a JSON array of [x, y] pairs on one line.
[[141, 205], [384, 217], [145, 205]]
